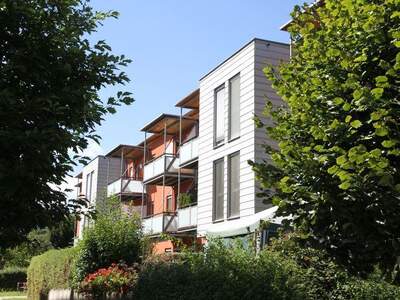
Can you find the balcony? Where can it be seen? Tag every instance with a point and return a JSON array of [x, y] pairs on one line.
[[156, 224], [160, 165], [125, 186], [189, 152], [187, 217]]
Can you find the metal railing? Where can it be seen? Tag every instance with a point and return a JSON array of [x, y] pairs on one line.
[[163, 222], [159, 165], [189, 151], [187, 216], [124, 186]]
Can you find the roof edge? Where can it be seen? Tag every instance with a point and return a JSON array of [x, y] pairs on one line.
[[237, 51]]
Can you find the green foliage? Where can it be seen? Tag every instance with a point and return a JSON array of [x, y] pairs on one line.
[[51, 270], [185, 200], [115, 237], [49, 105], [38, 241], [9, 277], [337, 169], [219, 273], [320, 277]]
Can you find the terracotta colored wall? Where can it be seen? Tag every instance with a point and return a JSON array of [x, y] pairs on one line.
[[156, 147], [135, 167], [154, 197], [160, 247]]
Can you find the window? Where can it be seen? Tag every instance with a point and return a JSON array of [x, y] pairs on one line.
[[219, 126], [234, 107], [169, 203], [218, 197], [234, 185], [89, 185]]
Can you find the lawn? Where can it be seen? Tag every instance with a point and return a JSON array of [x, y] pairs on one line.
[[9, 295]]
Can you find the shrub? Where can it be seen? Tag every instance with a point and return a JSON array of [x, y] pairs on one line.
[[117, 279], [115, 237], [219, 273], [320, 277], [9, 277], [185, 200], [48, 271]]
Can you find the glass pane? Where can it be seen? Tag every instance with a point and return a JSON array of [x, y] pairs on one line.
[[234, 185], [219, 116], [234, 107], [219, 190]]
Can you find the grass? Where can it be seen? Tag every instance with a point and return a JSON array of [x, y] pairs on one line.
[[12, 293]]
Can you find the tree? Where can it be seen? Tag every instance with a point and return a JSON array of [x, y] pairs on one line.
[[336, 175], [49, 105]]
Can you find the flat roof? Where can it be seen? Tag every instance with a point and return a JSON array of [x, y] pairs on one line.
[[252, 41], [128, 151], [171, 122], [191, 101]]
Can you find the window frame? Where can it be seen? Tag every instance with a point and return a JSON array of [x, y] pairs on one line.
[[215, 142], [230, 138], [229, 184], [214, 202]]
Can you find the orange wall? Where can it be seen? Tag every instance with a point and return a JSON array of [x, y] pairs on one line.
[[162, 246], [156, 147]]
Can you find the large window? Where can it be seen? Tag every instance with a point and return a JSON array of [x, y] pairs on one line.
[[89, 185], [218, 197], [233, 185], [234, 107], [219, 122]]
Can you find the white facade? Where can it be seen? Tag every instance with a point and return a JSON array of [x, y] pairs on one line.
[[248, 63]]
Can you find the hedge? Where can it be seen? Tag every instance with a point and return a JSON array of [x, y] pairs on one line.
[[50, 270], [220, 273], [9, 278], [233, 273]]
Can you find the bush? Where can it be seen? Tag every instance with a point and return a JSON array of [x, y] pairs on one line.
[[116, 279], [50, 270], [320, 277], [9, 278], [115, 237], [185, 200], [220, 273]]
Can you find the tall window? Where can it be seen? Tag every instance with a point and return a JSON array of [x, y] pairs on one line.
[[234, 185], [234, 107], [219, 126], [89, 185], [169, 203], [218, 197]]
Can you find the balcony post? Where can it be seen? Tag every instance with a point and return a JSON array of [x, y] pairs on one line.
[[120, 188], [143, 185], [179, 159], [163, 190]]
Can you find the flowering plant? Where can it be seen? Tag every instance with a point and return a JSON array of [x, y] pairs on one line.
[[117, 279]]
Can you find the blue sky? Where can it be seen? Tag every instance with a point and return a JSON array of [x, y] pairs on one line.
[[172, 44]]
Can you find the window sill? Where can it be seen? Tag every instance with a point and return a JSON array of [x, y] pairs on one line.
[[233, 139], [218, 146], [218, 221], [233, 218]]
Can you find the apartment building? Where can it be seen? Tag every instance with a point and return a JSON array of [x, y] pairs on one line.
[[190, 177], [92, 184]]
